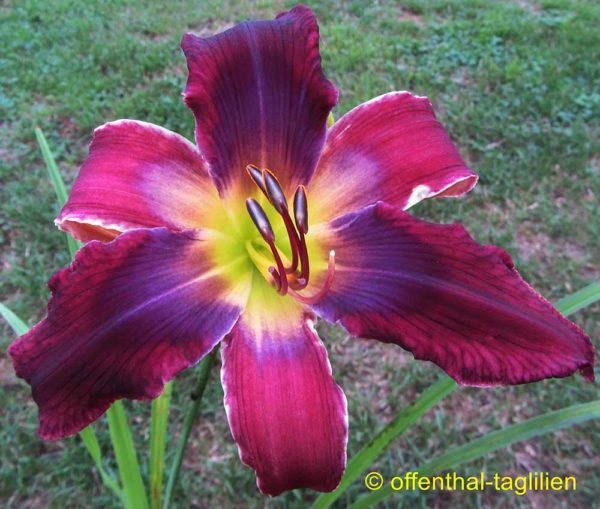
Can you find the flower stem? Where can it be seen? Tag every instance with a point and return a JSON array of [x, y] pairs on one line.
[[196, 396]]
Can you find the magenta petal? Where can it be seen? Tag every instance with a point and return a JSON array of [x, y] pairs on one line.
[[433, 290], [260, 97], [124, 318], [137, 175], [393, 149], [285, 411]]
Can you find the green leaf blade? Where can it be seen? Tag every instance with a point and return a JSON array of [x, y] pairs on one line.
[[17, 325], [57, 182], [536, 426], [580, 299], [158, 438], [365, 456], [129, 470], [90, 440]]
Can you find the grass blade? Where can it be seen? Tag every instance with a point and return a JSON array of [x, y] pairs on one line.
[[539, 425], [158, 432], [129, 470], [57, 182], [365, 456]]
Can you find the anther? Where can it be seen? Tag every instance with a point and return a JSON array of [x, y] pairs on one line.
[[260, 220], [256, 176], [274, 192], [301, 210]]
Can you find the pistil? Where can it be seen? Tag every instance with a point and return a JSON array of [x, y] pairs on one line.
[[316, 297]]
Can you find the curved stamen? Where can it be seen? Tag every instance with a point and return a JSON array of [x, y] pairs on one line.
[[276, 278], [283, 282], [269, 185], [294, 242], [304, 261], [316, 297], [277, 198], [262, 263]]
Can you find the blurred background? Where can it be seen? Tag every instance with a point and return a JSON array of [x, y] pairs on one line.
[[517, 84]]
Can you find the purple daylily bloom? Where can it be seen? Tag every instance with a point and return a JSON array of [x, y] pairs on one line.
[[192, 245]]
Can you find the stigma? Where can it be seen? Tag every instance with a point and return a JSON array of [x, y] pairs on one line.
[[293, 278]]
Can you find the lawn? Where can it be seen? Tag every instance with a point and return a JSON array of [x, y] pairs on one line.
[[517, 84]]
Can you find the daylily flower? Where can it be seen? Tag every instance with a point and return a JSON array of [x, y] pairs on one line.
[[268, 221]]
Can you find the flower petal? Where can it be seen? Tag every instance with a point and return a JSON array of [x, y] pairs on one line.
[[124, 318], [286, 413], [390, 148], [259, 96], [433, 290], [137, 175]]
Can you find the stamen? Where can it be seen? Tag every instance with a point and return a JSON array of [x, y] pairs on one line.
[[301, 210], [301, 217], [316, 297], [274, 192], [294, 242], [256, 176], [304, 262], [283, 282], [269, 185], [260, 220], [276, 278]]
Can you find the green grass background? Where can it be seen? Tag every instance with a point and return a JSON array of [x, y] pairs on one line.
[[516, 83]]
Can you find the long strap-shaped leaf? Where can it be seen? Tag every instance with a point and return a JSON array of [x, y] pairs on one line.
[[18, 325], [580, 299], [539, 425], [57, 182], [365, 456], [90, 440], [158, 439], [135, 494], [129, 470]]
